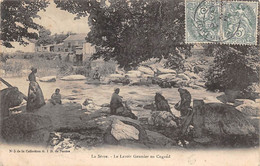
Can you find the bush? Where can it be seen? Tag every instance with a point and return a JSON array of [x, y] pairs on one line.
[[233, 69], [14, 68]]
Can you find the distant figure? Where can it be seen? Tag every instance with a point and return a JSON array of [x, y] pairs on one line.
[[35, 95], [161, 103], [125, 80], [56, 97], [117, 106], [184, 105], [96, 75]]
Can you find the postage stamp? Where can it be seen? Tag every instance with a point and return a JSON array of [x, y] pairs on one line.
[[224, 22]]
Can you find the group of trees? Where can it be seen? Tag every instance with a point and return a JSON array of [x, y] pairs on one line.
[[46, 38], [133, 31]]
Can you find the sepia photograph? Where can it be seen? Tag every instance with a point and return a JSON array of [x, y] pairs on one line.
[[129, 82]]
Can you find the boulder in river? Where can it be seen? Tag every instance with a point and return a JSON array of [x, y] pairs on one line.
[[73, 78], [134, 74], [27, 128], [146, 70], [167, 76], [48, 79], [165, 71], [183, 76], [191, 75]]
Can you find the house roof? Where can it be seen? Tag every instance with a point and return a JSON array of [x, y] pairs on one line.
[[80, 36]]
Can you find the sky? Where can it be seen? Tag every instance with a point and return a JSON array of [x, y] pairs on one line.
[[58, 21]]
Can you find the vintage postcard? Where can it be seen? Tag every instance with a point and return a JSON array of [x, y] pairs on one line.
[[129, 82]]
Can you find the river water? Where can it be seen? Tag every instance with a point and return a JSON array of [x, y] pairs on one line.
[[78, 91]]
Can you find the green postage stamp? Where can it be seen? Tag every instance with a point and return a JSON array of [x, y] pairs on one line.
[[224, 22]]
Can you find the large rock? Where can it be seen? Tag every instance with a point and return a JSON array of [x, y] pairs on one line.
[[121, 131], [73, 78], [165, 71], [48, 79], [27, 128], [219, 119], [9, 97], [159, 139], [146, 70], [110, 138], [249, 108], [163, 119]]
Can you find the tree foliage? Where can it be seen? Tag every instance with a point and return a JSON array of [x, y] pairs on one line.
[[133, 31], [17, 20], [45, 37], [235, 67], [59, 38]]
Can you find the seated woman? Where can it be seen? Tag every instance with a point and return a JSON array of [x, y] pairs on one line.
[[56, 97], [117, 107], [96, 75]]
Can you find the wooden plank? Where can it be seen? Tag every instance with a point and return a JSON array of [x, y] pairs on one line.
[[10, 86]]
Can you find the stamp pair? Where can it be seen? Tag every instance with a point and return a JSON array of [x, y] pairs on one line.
[[220, 21]]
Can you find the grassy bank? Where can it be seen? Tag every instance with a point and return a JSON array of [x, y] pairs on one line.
[[19, 65]]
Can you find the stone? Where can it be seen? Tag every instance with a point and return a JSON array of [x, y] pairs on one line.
[[110, 139], [159, 139], [134, 74], [123, 131], [167, 76], [191, 75], [105, 105], [73, 78], [27, 128], [183, 76], [249, 108], [243, 101], [48, 79], [164, 119], [146, 70], [201, 84], [165, 71], [116, 76]]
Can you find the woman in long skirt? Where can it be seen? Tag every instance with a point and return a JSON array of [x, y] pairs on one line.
[[35, 95]]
